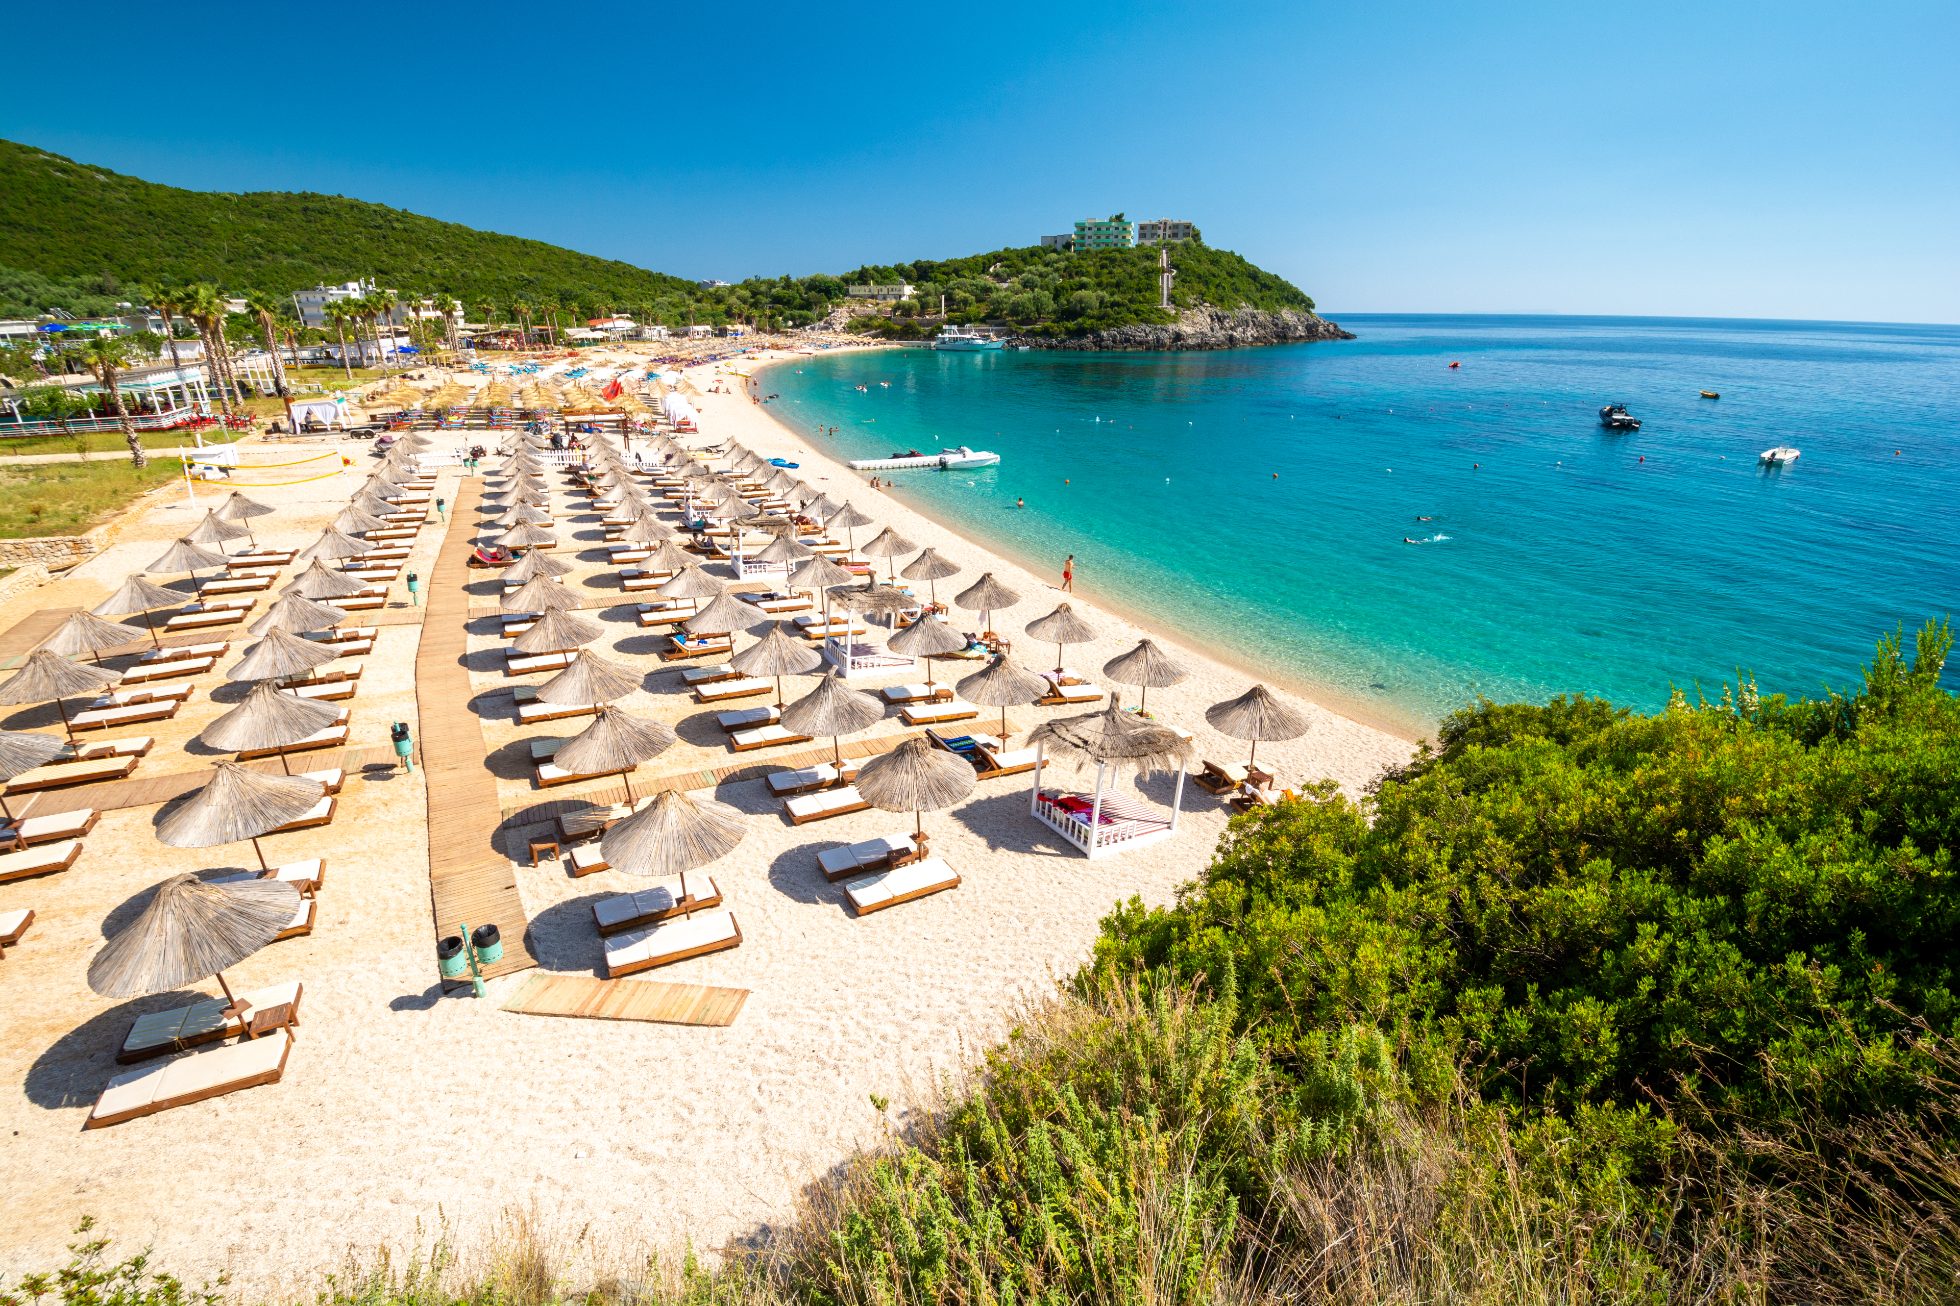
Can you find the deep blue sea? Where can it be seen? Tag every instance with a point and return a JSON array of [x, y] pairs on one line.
[[1264, 500]]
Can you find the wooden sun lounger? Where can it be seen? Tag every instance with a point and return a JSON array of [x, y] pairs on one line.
[[64, 775], [884, 889], [333, 673], [104, 718], [132, 697], [777, 605], [639, 582], [330, 779], [718, 691], [530, 712], [30, 862], [236, 584], [380, 533], [193, 1078], [172, 652], [14, 926], [321, 813], [746, 741], [809, 779], [708, 675], [180, 1029], [801, 809], [171, 670], [96, 750], [671, 941], [1220, 780], [858, 858], [917, 692], [670, 613], [1061, 695], [53, 827], [330, 737], [708, 646], [197, 619], [361, 602], [938, 713], [528, 664], [332, 691], [747, 718], [303, 919]]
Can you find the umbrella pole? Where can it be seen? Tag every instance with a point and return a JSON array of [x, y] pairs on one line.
[[261, 852], [626, 778], [1003, 725], [837, 753], [219, 976], [284, 765], [150, 621], [1143, 697], [68, 729]]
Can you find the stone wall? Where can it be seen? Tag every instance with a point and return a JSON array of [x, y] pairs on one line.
[[52, 552], [30, 577]]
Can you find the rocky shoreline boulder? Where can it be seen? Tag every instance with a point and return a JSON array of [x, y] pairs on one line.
[[1207, 328]]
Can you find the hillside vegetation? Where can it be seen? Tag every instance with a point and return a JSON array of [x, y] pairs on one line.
[[1584, 1006], [81, 238]]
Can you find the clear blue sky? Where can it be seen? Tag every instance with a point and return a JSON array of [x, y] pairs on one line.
[[1791, 159]]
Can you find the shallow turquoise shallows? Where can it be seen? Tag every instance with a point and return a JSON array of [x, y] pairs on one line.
[[1361, 517]]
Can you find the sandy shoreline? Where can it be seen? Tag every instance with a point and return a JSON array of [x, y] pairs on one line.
[[404, 1112]]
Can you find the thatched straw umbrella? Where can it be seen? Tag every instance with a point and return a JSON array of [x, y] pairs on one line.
[[778, 654], [888, 544], [297, 613], [833, 708], [646, 529], [1061, 628], [238, 508], [615, 742], [279, 655], [782, 552], [237, 803], [47, 676], [84, 632], [139, 593], [355, 518], [818, 574], [556, 632], [522, 514], [535, 564], [932, 569], [319, 582], [269, 717], [335, 544], [1115, 740], [879, 600], [589, 679], [20, 752], [672, 835], [986, 596], [724, 615], [1258, 716], [192, 930], [915, 777], [1147, 667], [526, 537], [185, 556], [849, 519], [926, 639], [1003, 685], [669, 556], [216, 530], [539, 594]]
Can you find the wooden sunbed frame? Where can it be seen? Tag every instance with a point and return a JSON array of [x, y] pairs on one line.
[[61, 775], [327, 737], [686, 954], [30, 862], [128, 1056], [693, 902], [861, 805], [926, 890], [270, 1075]]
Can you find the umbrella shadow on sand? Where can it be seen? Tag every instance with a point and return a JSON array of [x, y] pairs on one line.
[[32, 717], [513, 760], [794, 874], [563, 939], [702, 730], [76, 1067], [1002, 820]]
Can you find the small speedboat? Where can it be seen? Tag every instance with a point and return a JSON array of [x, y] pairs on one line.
[[1781, 454], [784, 462], [1710, 394], [1614, 417]]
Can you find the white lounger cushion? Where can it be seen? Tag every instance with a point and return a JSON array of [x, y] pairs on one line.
[[136, 675], [25, 861], [742, 718], [1007, 761], [957, 709], [707, 675], [162, 1028], [54, 825], [304, 875], [585, 858], [735, 688], [870, 892], [872, 852], [192, 1075], [663, 896], [686, 934], [805, 806], [761, 736], [12, 923], [809, 777]]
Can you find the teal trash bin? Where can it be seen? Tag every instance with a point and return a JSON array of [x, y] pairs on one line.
[[489, 945], [451, 960]]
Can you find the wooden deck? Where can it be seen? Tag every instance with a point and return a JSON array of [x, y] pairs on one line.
[[141, 790], [628, 999], [19, 639], [470, 881]]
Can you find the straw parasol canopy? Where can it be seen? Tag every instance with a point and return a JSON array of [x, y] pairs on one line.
[[848, 517], [297, 613], [672, 835], [778, 654], [927, 638], [1061, 627], [1258, 716], [20, 752], [915, 777], [615, 742], [1003, 685], [669, 556], [269, 718], [216, 530], [557, 631], [819, 573], [84, 632], [526, 537], [724, 615], [185, 556], [535, 564], [47, 676], [280, 654], [237, 803], [238, 508], [884, 600], [782, 549], [356, 518], [986, 596], [138, 593], [523, 514], [646, 529], [833, 708], [336, 543], [1113, 737], [888, 544], [319, 581], [539, 594], [589, 679], [932, 569], [1145, 666], [191, 931]]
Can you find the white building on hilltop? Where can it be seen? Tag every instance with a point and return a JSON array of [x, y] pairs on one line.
[[1166, 231]]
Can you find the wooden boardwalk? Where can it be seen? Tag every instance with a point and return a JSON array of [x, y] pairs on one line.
[[628, 999], [141, 790], [19, 639], [470, 880]]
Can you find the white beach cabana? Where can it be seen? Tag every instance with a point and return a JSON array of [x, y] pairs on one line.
[[1101, 823]]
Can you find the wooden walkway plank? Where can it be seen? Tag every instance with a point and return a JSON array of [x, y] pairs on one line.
[[628, 999]]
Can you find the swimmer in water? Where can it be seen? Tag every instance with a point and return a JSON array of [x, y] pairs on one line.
[[1020, 503], [1425, 519]]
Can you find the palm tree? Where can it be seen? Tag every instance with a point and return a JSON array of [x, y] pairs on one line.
[[385, 303], [266, 313], [168, 304], [550, 307], [205, 307], [336, 313], [522, 312], [106, 356]]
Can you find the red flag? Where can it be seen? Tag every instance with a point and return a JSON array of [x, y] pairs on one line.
[[613, 389]]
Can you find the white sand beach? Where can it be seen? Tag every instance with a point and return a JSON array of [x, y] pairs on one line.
[[404, 1112]]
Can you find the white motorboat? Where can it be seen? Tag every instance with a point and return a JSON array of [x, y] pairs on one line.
[[1781, 454], [966, 338], [945, 460]]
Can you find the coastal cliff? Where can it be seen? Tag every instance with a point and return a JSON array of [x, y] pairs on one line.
[[1205, 328]]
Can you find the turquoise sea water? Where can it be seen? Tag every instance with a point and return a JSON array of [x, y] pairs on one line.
[[1260, 499]]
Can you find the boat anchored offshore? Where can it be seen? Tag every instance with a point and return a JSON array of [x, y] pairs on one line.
[[1614, 417], [1781, 454], [966, 338], [945, 460]]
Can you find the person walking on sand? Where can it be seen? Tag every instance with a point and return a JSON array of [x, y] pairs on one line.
[[1068, 574]]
